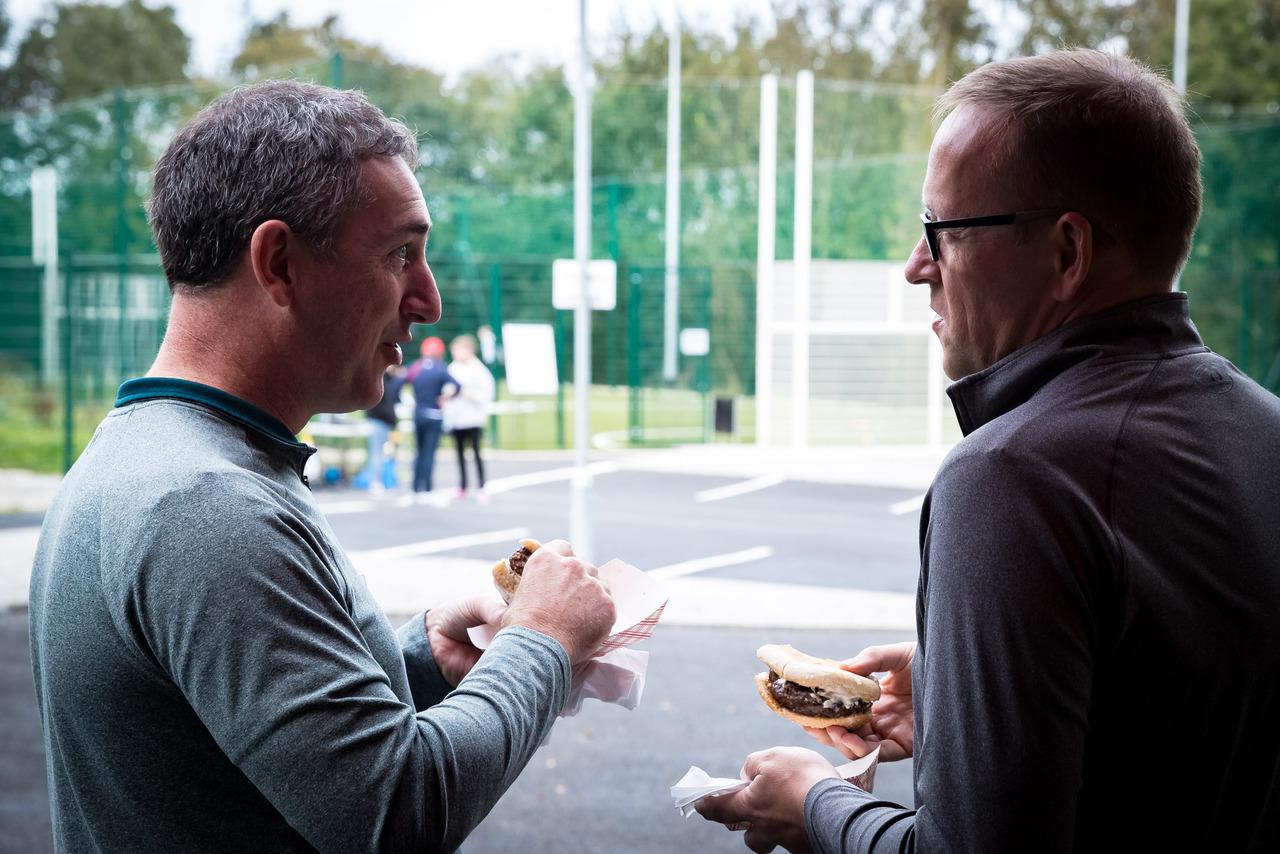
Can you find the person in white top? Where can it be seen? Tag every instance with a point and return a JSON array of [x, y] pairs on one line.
[[465, 411]]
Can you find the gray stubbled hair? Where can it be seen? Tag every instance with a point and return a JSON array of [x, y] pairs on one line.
[[275, 150]]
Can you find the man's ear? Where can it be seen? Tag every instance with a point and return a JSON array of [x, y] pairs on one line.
[[273, 254], [1073, 255]]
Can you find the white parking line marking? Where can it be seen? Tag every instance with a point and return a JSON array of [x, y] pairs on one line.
[[337, 508], [735, 489], [506, 484], [428, 547], [689, 567], [911, 505]]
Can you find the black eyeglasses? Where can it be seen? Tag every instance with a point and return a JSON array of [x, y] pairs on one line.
[[933, 226]]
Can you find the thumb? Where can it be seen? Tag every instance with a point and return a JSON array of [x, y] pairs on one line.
[[485, 609], [469, 612], [873, 659]]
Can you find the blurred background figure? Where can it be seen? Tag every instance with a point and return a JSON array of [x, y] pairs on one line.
[[428, 376], [380, 470], [466, 409]]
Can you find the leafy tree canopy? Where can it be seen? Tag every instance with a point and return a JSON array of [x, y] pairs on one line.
[[79, 50]]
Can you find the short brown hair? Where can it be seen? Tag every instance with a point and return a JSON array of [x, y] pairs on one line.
[[1100, 133]]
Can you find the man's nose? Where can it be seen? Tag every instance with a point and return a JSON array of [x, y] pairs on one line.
[[921, 269], [422, 300]]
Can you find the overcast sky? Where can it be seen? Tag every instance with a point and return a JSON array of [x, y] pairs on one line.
[[444, 35]]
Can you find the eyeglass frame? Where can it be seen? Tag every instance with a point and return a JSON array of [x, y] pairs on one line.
[[933, 226]]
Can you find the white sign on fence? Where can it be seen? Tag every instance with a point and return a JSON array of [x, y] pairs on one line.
[[695, 341], [566, 284], [530, 350]]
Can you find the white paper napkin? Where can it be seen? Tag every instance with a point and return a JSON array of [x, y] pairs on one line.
[[697, 784], [614, 673]]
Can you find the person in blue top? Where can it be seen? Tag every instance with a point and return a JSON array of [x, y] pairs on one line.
[[382, 422], [429, 377]]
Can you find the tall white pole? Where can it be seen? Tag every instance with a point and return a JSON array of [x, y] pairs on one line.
[[671, 304], [803, 251], [44, 251], [579, 510], [1181, 27], [765, 257]]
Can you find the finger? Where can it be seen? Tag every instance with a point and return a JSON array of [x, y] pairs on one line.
[[758, 840], [723, 809], [474, 611], [854, 743], [486, 609], [819, 735], [560, 547], [751, 767], [876, 659], [466, 613]]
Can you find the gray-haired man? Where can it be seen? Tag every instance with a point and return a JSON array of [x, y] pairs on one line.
[[212, 674]]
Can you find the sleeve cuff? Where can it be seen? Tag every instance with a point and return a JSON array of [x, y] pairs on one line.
[[821, 836], [838, 817], [426, 683]]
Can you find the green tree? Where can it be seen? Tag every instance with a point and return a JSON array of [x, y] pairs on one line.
[[277, 44], [79, 50]]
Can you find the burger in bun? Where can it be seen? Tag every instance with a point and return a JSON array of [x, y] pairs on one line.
[[814, 692], [507, 572]]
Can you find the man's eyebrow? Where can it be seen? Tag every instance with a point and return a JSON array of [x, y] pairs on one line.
[[419, 226]]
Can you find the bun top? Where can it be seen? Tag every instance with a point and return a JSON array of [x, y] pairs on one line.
[[825, 673]]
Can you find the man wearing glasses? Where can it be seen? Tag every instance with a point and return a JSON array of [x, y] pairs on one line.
[[1098, 659]]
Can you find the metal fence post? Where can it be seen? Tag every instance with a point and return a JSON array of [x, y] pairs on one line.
[[495, 326], [558, 323], [68, 399], [635, 427], [704, 366], [335, 70], [615, 344], [121, 242]]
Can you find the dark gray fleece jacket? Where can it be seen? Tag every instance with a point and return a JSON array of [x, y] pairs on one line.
[[1098, 608]]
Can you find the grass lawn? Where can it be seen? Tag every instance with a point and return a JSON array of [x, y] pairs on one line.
[[31, 422]]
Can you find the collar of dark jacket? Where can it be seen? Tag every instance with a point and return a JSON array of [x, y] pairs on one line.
[[1158, 324]]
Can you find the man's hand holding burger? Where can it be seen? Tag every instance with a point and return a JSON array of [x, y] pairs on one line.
[[892, 715], [562, 597]]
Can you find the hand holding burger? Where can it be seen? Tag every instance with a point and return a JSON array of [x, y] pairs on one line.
[[561, 596], [892, 716]]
